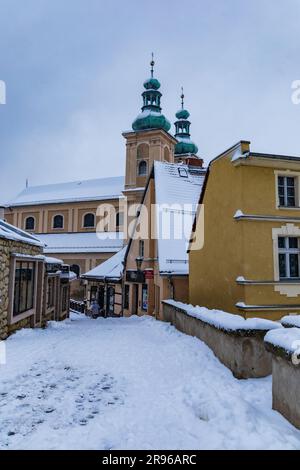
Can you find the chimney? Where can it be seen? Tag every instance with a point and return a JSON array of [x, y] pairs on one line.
[[2, 208]]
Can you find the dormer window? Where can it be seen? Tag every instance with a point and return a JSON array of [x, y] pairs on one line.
[[287, 191]]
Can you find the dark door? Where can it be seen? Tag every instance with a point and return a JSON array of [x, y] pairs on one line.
[[101, 295], [135, 299]]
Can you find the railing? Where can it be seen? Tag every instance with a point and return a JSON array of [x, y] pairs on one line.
[[77, 306]]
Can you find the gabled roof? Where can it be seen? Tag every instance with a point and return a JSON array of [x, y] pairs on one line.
[[178, 186], [76, 191], [9, 232], [112, 269], [92, 242]]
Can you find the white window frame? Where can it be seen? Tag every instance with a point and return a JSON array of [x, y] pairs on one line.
[[288, 230], [34, 222], [287, 251], [12, 319], [288, 174], [83, 217], [58, 228]]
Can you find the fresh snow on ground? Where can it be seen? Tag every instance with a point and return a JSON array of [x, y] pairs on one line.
[[129, 384]]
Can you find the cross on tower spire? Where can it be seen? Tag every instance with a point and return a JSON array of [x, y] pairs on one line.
[[152, 63], [182, 98]]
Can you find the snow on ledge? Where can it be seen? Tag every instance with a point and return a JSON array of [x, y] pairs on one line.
[[285, 338], [291, 320], [238, 214], [223, 320], [238, 155]]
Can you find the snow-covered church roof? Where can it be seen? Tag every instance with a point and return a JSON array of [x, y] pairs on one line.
[[177, 189], [76, 191], [92, 242], [112, 269], [9, 232]]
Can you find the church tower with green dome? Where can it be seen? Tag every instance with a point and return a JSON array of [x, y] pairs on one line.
[[148, 141], [151, 117], [185, 147]]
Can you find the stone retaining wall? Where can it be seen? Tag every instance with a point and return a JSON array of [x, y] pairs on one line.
[[243, 352], [285, 385]]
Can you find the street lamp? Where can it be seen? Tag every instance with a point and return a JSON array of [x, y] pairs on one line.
[[139, 261]]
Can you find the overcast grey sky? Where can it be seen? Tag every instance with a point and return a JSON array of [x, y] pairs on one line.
[[74, 71]]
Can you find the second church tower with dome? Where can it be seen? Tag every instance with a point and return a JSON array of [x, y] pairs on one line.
[[150, 140]]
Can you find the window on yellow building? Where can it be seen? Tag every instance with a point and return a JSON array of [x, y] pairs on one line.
[[287, 191], [288, 251]]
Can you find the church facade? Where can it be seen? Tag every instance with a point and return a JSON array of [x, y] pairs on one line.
[[68, 218]]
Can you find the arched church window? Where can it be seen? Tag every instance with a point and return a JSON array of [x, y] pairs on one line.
[[89, 221], [30, 223], [58, 221], [142, 168]]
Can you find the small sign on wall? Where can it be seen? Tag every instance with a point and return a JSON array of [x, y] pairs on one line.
[[149, 274]]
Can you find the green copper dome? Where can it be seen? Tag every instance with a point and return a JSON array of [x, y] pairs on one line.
[[184, 146], [184, 143], [151, 117], [182, 114], [152, 84]]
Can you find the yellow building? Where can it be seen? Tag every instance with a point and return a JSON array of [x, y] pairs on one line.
[[250, 221]]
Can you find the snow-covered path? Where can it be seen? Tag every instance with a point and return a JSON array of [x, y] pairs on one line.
[[129, 384]]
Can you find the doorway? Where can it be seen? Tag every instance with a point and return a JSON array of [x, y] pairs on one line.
[[135, 299]]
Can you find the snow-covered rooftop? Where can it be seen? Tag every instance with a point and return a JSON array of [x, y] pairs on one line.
[[111, 269], [177, 189], [10, 232], [76, 191], [106, 242]]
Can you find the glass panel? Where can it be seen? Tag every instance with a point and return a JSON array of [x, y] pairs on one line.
[[30, 286], [23, 288], [294, 265], [282, 265], [281, 242], [17, 289], [291, 192], [291, 202], [293, 242], [89, 220], [280, 180], [290, 182], [145, 298]]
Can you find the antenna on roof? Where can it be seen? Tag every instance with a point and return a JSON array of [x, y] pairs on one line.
[[27, 183]]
